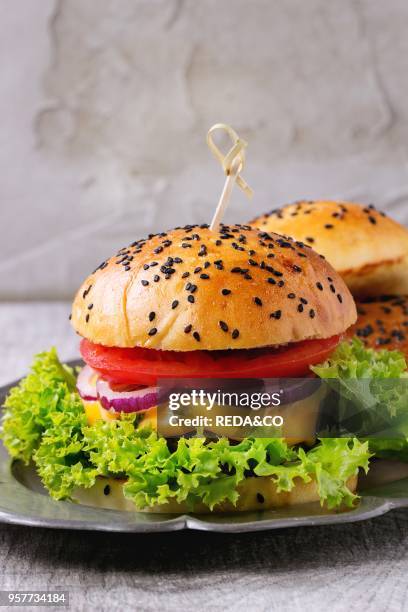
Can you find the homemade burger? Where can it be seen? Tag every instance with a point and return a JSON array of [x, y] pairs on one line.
[[367, 248], [190, 303]]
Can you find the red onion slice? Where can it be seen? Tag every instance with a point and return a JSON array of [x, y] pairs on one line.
[[86, 384], [126, 401]]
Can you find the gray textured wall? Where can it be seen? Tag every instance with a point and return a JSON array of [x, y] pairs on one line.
[[105, 105]]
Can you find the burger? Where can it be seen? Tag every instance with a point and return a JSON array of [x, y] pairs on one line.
[[367, 248], [235, 303]]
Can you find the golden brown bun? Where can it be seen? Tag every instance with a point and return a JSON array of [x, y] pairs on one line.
[[368, 249], [140, 298], [257, 493], [383, 323]]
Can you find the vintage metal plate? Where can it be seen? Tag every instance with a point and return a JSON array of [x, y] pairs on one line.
[[23, 501]]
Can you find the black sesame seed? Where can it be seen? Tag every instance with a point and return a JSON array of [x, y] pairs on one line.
[[174, 304], [127, 268], [85, 293], [87, 318], [158, 250], [319, 286], [90, 306], [188, 329], [218, 242], [328, 226], [339, 297], [303, 300], [310, 239], [291, 296], [191, 299], [312, 313], [146, 267], [372, 220], [271, 281], [332, 288], [156, 278], [152, 316], [185, 274], [223, 326], [296, 268], [281, 283], [276, 315], [145, 283], [365, 332], [204, 276], [197, 270], [235, 334], [300, 308], [258, 301], [196, 336], [152, 331], [226, 291]]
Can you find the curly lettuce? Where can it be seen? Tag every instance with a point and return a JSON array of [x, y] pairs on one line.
[[353, 360], [372, 387], [44, 421]]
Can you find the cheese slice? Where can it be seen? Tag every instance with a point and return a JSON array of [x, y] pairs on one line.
[[96, 412]]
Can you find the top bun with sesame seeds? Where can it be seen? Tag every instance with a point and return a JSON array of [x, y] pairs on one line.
[[368, 249], [196, 289]]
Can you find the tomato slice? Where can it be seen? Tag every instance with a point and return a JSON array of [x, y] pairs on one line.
[[140, 366]]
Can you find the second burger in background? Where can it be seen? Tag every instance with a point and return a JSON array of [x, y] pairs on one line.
[[367, 248]]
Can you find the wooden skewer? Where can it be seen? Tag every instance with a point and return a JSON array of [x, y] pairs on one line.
[[225, 195], [233, 163]]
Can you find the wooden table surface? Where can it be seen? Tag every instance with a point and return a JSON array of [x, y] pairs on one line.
[[361, 566]]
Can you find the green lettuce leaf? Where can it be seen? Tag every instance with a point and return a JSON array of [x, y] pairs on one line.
[[353, 360], [44, 421], [373, 389]]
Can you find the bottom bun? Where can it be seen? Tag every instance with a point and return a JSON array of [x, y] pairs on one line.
[[255, 493], [387, 277]]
